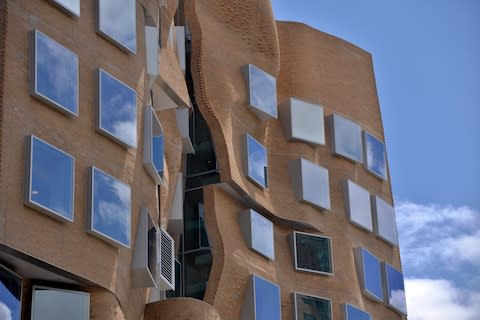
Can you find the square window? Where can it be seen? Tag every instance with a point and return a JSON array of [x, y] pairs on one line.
[[354, 313], [153, 148], [385, 225], [51, 179], [70, 6], [312, 253], [117, 110], [258, 232], [110, 212], [358, 206], [262, 92], [369, 273], [303, 121], [59, 304], [256, 162], [308, 307], [10, 294], [124, 34], [395, 289], [310, 183], [262, 301], [346, 138], [144, 263], [375, 156], [55, 74]]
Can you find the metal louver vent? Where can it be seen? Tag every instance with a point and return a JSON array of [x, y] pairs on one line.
[[167, 261]]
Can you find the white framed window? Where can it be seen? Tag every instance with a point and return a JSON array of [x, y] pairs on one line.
[[358, 205], [54, 78], [258, 233], [394, 289], [59, 304], [262, 92], [310, 307], [312, 253], [256, 162], [50, 180], [262, 300], [369, 273], [153, 146], [110, 209], [72, 7], [346, 138], [144, 262], [384, 225], [123, 35]]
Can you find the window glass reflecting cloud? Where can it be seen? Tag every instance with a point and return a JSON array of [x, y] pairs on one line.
[[55, 74], [354, 313], [312, 308], [256, 161], [346, 138], [262, 235], [267, 299], [370, 271], [56, 304], [262, 91], [117, 110], [375, 157], [72, 6], [395, 289], [111, 208], [385, 222], [358, 205], [313, 253], [51, 180], [10, 295], [117, 22]]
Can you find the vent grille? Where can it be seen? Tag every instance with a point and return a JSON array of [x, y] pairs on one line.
[[167, 262]]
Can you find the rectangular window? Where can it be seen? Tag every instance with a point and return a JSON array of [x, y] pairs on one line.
[[369, 273], [308, 307], [312, 253], [346, 138], [256, 162], [144, 263], [117, 110], [395, 289], [385, 225], [70, 6], [354, 313], [262, 301], [54, 77], [124, 34], [153, 152], [51, 179], [110, 211], [358, 206], [59, 304], [10, 294], [375, 156], [310, 183], [258, 232], [262, 92]]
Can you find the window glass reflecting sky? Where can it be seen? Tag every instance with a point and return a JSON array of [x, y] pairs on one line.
[[262, 235], [395, 289], [354, 313], [157, 153], [263, 91], [347, 138], [72, 6], [50, 304], [118, 109], [257, 161], [56, 74], [376, 160], [111, 12], [386, 226], [111, 208], [10, 291], [372, 275], [315, 184], [52, 179], [359, 205], [267, 300]]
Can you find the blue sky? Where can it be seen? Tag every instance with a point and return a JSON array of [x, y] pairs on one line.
[[426, 57]]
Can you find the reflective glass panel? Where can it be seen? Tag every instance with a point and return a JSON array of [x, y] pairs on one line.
[[111, 208], [152, 250], [56, 304], [117, 110], [353, 313], [312, 308], [256, 161], [375, 157], [267, 299], [262, 235], [157, 148], [51, 180], [395, 289], [347, 138], [10, 295], [372, 275], [385, 223], [307, 122], [72, 6], [197, 267], [262, 91], [358, 205], [117, 22], [315, 184], [195, 235], [55, 74], [313, 253]]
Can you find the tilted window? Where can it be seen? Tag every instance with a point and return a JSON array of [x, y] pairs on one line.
[[258, 232], [369, 274], [50, 180], [346, 138], [262, 301], [354, 313], [54, 77], [358, 205], [59, 304], [123, 34], [375, 156], [262, 92], [385, 225], [312, 253], [144, 262], [395, 289], [309, 307], [70, 6], [153, 146], [257, 162], [10, 295]]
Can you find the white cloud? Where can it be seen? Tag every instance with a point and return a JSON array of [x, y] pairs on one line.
[[5, 312], [430, 299]]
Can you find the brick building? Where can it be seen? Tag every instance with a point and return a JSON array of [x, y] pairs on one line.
[[180, 159]]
